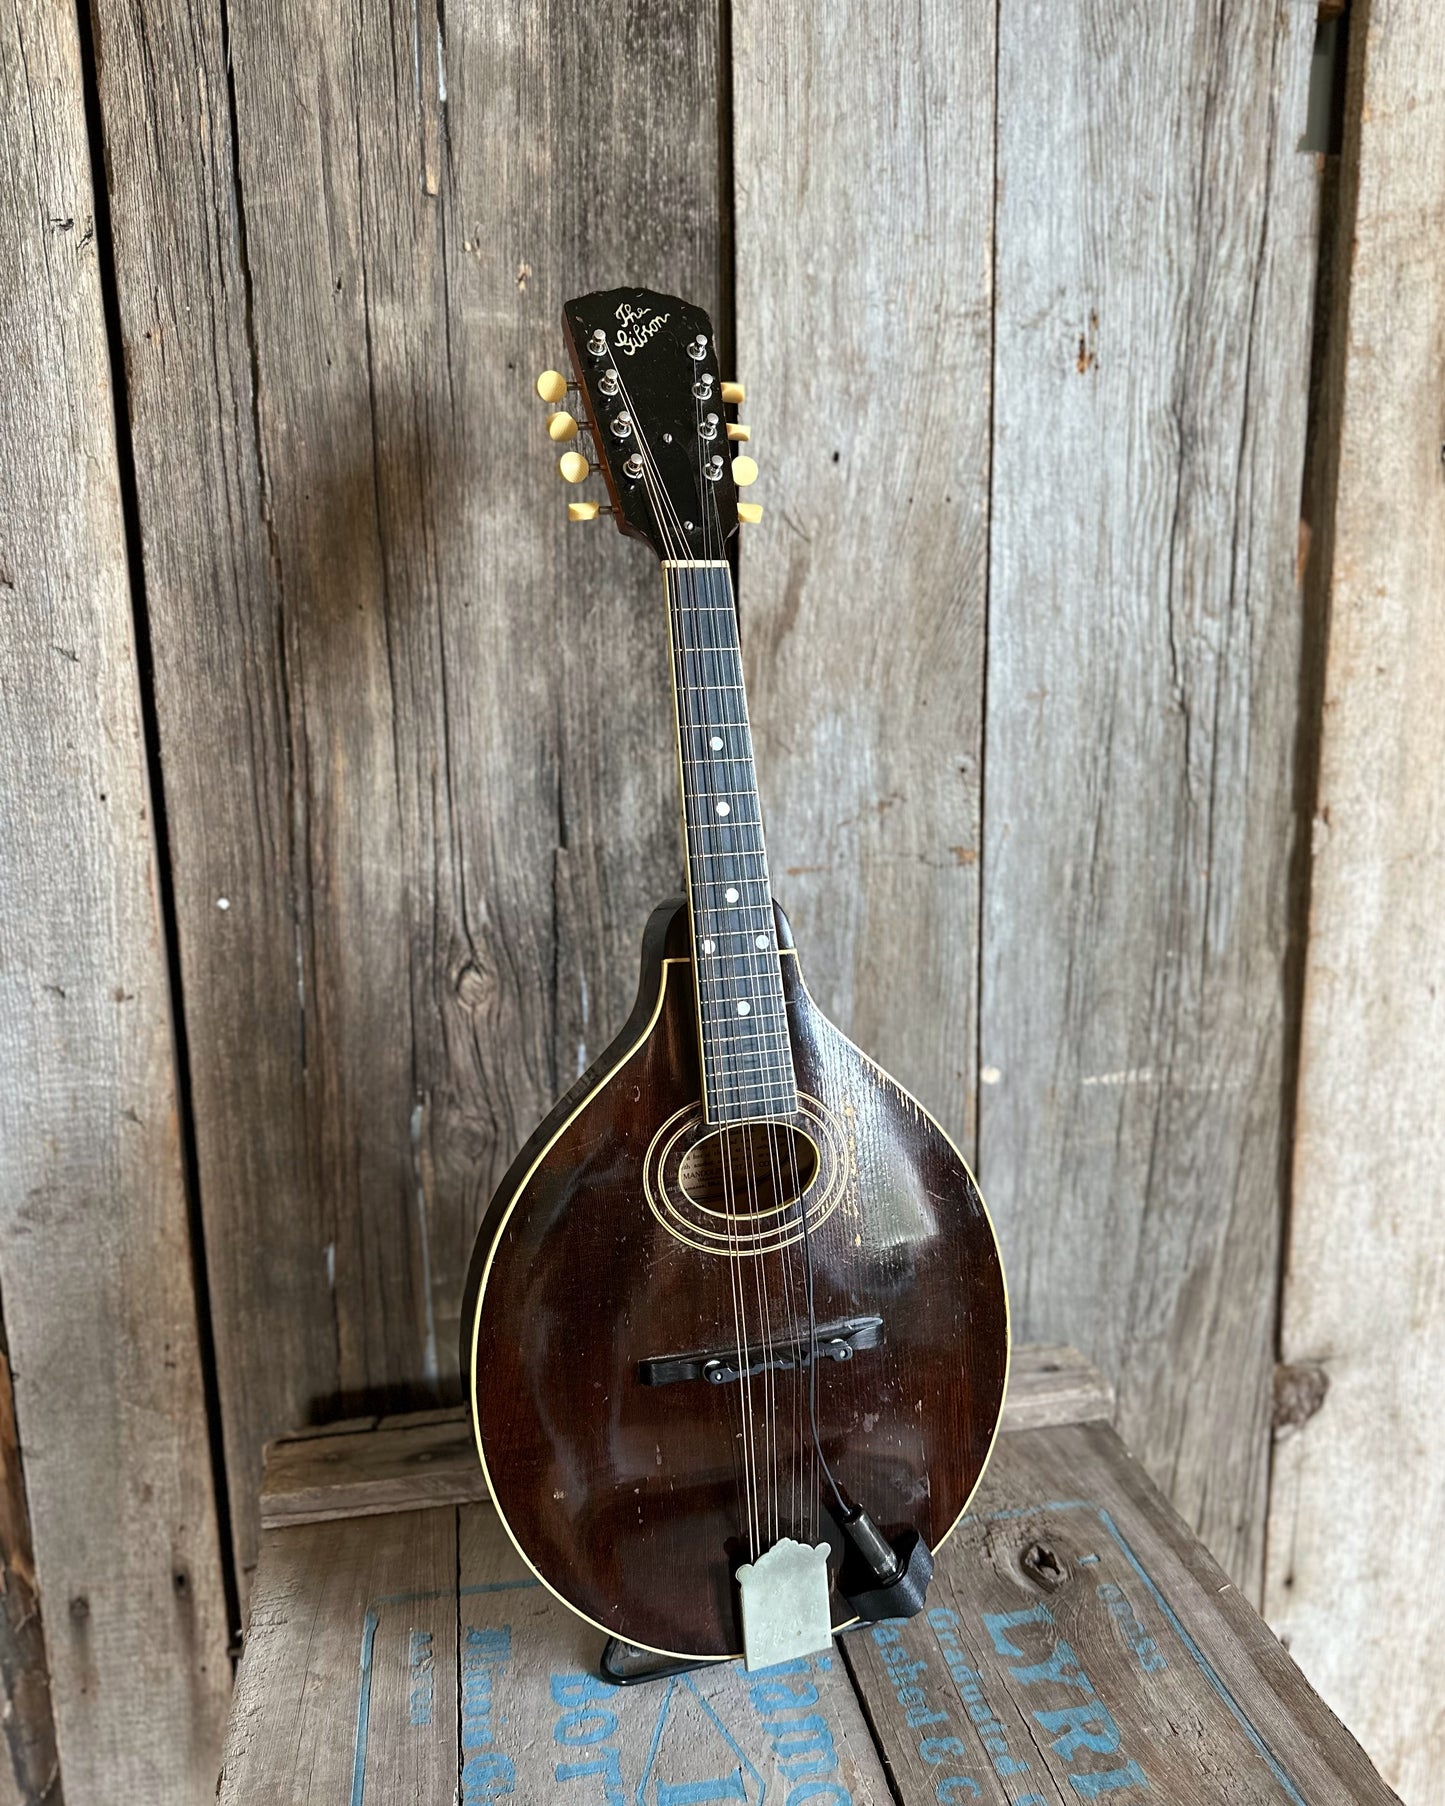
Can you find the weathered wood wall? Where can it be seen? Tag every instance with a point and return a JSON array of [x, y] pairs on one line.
[[1082, 290], [413, 846], [1022, 294], [1350, 1587], [95, 1254], [1152, 336]]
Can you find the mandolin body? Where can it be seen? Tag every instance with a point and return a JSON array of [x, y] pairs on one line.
[[618, 1303]]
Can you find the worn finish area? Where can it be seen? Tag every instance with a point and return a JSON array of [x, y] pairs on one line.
[[1077, 1644]]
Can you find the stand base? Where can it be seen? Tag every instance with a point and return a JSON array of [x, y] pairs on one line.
[[625, 1665]]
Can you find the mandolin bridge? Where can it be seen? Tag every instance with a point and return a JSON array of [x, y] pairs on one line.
[[834, 1341]]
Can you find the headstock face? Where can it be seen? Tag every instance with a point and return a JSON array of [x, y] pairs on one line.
[[647, 368]]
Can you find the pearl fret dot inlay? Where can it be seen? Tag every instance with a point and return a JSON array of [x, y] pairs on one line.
[[731, 894], [744, 1008]]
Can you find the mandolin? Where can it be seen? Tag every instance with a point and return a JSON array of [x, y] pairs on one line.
[[739, 1295]]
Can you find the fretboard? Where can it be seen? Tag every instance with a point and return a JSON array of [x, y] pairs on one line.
[[747, 1057]]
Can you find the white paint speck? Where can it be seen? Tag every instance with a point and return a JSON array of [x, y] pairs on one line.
[[990, 1075], [223, 902], [330, 1252]]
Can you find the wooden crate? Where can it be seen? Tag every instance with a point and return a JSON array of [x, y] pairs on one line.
[[1079, 1645]]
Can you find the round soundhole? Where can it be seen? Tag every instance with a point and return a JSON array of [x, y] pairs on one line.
[[748, 1171], [748, 1188]]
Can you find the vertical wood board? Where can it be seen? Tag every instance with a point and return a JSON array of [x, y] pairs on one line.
[[1364, 1297], [30, 1767], [1155, 261], [863, 148], [415, 737], [95, 1257]]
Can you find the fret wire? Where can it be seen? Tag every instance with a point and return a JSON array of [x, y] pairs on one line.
[[729, 1030], [767, 1042], [778, 1078]]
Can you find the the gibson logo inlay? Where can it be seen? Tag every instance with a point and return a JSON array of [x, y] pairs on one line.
[[636, 326]]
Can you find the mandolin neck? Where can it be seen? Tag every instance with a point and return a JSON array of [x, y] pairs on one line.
[[747, 1057]]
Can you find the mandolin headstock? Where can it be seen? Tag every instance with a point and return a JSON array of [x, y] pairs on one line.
[[656, 410]]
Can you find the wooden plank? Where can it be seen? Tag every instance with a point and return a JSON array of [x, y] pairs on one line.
[[1155, 257], [95, 1256], [431, 1458], [30, 1772], [412, 1464], [862, 241], [1081, 1644], [1362, 1293], [415, 741], [352, 1632], [1051, 1386], [313, 1722]]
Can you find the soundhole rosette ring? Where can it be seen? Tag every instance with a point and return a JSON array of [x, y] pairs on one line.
[[746, 1234]]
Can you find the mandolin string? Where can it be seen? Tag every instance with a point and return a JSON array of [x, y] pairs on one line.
[[714, 546], [711, 634], [795, 1193], [662, 504], [684, 584], [770, 1057]]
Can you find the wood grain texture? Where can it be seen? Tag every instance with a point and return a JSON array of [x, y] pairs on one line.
[[30, 1770], [1363, 1290], [95, 1257], [314, 1628], [430, 1457], [414, 738], [864, 195], [1155, 258], [474, 1683], [1080, 1643]]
